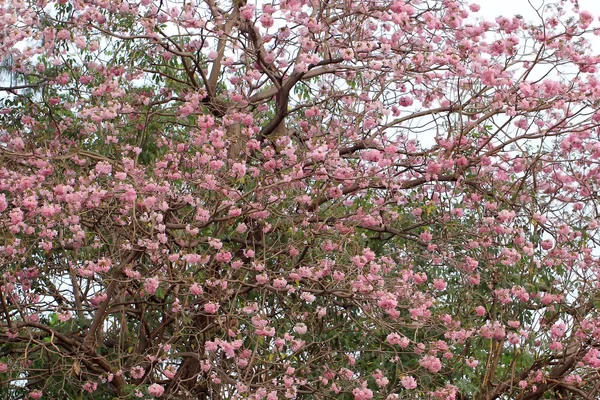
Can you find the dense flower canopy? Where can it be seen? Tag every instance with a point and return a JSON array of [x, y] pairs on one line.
[[303, 199]]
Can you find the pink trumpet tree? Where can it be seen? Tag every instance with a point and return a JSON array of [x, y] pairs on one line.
[[303, 199]]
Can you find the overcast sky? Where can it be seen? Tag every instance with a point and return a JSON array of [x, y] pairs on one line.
[[493, 8]]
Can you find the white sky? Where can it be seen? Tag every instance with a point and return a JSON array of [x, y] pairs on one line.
[[493, 8]]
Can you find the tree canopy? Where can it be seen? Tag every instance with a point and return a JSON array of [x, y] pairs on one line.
[[301, 199]]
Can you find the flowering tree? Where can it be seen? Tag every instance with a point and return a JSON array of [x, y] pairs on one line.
[[343, 199]]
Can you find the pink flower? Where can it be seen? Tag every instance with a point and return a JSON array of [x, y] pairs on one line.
[[347, 54], [137, 372], [439, 284], [556, 346], [586, 18], [266, 20], [247, 12], [308, 297], [300, 329], [3, 202], [405, 101], [394, 338], [514, 324], [262, 279], [279, 283], [103, 168], [156, 390], [3, 368], [409, 382], [36, 394], [238, 170], [151, 284], [170, 371], [241, 228], [130, 195], [472, 362], [558, 329], [90, 386], [196, 289], [433, 364], [224, 257], [16, 216], [506, 215], [387, 302], [63, 317], [523, 384], [426, 236], [63, 34], [362, 394], [211, 308]]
